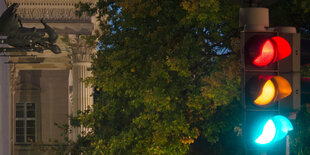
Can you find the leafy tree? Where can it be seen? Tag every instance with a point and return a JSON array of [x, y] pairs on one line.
[[161, 78], [299, 139]]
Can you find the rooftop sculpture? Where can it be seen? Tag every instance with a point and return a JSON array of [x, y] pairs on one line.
[[23, 38]]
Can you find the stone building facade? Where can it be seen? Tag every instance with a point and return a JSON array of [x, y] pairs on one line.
[[45, 88]]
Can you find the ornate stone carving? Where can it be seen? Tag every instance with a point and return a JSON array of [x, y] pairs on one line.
[[80, 50], [58, 15], [82, 57], [59, 11], [49, 2]]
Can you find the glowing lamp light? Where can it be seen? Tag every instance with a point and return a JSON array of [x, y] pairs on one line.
[[266, 56], [267, 95], [272, 50], [269, 132], [274, 130], [275, 88]]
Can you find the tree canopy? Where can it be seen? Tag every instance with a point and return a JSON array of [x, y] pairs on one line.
[[167, 77]]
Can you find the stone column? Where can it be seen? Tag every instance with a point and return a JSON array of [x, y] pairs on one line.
[[12, 83], [82, 95]]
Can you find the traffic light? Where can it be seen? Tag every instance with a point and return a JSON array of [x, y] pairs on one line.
[[269, 87]]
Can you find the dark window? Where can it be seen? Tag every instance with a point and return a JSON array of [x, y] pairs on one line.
[[25, 123]]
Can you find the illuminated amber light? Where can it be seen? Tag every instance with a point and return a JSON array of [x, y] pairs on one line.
[[267, 95], [284, 87], [266, 55]]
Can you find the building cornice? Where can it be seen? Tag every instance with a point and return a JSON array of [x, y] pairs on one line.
[[58, 11]]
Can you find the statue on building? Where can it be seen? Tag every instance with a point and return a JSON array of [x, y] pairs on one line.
[[26, 39]]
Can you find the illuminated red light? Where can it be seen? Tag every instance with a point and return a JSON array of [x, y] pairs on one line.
[[273, 49], [266, 56]]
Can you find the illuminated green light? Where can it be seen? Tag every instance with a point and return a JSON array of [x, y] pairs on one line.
[[274, 129], [269, 132]]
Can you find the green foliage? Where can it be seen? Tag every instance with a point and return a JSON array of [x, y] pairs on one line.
[[292, 13], [165, 76], [305, 71], [91, 40], [300, 138]]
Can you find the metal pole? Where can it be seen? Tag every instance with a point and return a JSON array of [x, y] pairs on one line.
[[287, 151]]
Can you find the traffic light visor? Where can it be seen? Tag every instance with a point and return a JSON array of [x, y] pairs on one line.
[[283, 47], [283, 86]]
